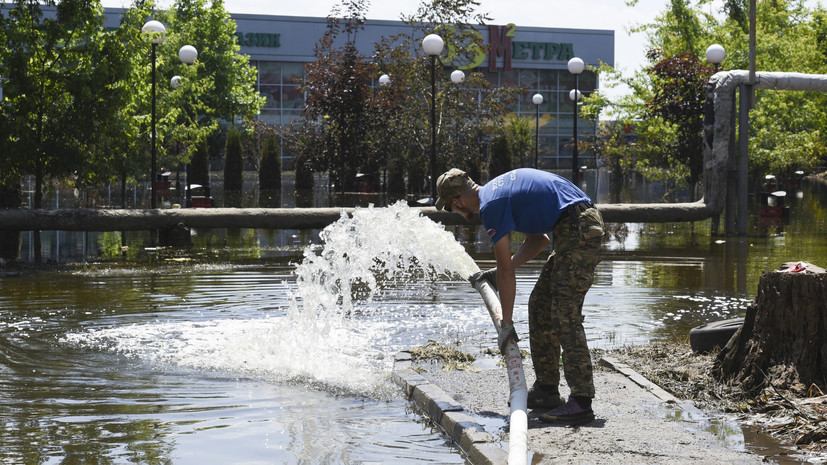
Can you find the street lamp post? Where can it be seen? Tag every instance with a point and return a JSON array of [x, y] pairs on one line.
[[384, 80], [537, 99], [155, 32], [432, 45], [187, 54], [576, 66], [457, 76], [715, 54]]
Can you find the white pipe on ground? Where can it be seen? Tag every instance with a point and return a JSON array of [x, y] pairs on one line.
[[518, 429]]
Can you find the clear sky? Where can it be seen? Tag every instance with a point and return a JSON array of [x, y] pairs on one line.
[[579, 14]]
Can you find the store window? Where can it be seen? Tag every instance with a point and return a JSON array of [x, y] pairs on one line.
[[269, 72]]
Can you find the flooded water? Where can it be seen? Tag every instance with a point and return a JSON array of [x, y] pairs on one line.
[[276, 346]]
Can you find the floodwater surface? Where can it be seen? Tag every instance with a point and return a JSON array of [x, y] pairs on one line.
[[276, 347]]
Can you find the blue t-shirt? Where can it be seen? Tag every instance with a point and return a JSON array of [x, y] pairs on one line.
[[525, 200]]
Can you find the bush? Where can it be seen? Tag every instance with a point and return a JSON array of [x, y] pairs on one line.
[[269, 174], [500, 157], [304, 174], [198, 171], [233, 163]]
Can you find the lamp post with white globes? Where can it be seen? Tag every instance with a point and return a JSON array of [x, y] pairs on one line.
[[537, 99], [715, 54], [457, 76], [187, 54], [432, 45], [155, 32], [384, 80], [576, 66]]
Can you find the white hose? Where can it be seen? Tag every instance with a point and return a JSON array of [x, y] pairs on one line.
[[518, 430]]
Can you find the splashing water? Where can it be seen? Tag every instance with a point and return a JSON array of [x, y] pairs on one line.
[[375, 246], [335, 333]]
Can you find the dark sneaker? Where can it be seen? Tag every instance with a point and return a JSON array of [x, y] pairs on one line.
[[541, 397], [570, 414]]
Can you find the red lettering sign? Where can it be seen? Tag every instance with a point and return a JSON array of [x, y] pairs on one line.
[[500, 42]]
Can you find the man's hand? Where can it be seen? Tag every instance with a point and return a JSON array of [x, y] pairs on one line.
[[490, 275], [507, 333]]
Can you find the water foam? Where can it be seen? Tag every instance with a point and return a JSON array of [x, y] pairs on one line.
[[336, 333]]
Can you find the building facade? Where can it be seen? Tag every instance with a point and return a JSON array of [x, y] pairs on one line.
[[531, 58], [528, 57]]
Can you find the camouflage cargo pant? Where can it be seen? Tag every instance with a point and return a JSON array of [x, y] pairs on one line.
[[555, 308]]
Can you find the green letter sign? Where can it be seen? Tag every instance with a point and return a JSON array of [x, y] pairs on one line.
[[501, 44], [258, 39]]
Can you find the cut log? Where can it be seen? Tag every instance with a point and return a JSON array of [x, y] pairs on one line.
[[783, 342]]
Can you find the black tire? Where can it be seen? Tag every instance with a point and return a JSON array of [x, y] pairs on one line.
[[704, 338]]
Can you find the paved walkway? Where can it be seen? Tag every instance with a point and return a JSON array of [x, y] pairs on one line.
[[637, 422]]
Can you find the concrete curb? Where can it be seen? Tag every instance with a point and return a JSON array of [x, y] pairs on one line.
[[637, 378], [479, 446]]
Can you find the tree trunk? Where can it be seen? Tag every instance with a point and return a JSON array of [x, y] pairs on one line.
[[783, 341]]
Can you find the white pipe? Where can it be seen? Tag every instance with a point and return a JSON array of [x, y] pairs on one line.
[[518, 429]]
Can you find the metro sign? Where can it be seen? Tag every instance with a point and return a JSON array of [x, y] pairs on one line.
[[501, 44]]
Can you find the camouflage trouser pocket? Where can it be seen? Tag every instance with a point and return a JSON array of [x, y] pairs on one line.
[[590, 224]]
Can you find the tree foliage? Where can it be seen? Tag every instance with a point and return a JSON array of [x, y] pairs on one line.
[[61, 76], [467, 114], [787, 129], [679, 84], [270, 170], [349, 125], [339, 111], [77, 96], [519, 133], [233, 162]]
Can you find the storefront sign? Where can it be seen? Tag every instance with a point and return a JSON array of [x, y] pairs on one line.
[[258, 39], [501, 43]]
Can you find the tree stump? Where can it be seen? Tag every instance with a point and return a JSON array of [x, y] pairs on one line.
[[783, 341]]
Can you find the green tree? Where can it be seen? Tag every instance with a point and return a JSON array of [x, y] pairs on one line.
[[787, 129], [467, 114], [501, 157], [270, 169], [679, 85], [61, 83], [218, 87], [339, 113], [233, 162], [78, 96], [62, 73], [198, 171], [520, 136]]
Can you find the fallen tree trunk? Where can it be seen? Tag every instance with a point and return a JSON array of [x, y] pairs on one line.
[[783, 341]]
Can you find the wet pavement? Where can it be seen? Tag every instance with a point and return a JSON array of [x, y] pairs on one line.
[[636, 421]]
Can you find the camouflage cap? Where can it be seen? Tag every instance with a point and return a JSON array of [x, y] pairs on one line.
[[451, 185]]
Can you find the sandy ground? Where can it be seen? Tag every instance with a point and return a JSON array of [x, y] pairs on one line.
[[637, 423]]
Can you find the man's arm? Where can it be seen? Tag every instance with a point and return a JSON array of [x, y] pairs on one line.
[[506, 266], [506, 279], [530, 248]]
